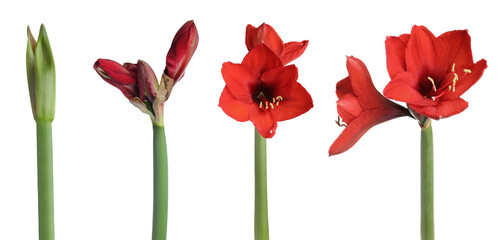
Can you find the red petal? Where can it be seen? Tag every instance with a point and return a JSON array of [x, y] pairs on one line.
[[264, 34], [182, 49], [280, 81], [241, 80], [344, 87], [362, 84], [358, 127], [293, 50], [147, 81], [114, 71], [425, 54], [296, 103], [444, 109], [264, 121], [348, 107], [395, 47], [467, 80], [405, 89], [262, 59], [232, 107], [458, 45]]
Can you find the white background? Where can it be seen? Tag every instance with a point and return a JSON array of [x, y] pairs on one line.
[[103, 145]]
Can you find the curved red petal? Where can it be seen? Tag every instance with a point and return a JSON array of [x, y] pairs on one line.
[[344, 87], [241, 80], [444, 109], [296, 103], [280, 81], [147, 81], [293, 50], [262, 59], [264, 121], [348, 107], [114, 71], [362, 84], [458, 46], [264, 34], [425, 54], [405, 89], [237, 110], [395, 47]]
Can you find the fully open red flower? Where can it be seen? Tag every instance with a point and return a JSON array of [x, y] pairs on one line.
[[262, 90], [431, 73], [266, 34], [360, 106]]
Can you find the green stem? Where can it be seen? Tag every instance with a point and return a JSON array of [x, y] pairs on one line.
[[261, 230], [45, 180], [427, 183], [160, 214]]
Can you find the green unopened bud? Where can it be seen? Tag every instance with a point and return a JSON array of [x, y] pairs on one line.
[[41, 76]]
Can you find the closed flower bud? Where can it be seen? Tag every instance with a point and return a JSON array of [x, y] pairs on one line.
[[182, 49]]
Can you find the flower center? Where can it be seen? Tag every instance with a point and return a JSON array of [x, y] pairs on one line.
[[445, 86], [264, 104]]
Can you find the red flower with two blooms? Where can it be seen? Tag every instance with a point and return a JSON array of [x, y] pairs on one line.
[[431, 73], [360, 106], [262, 90]]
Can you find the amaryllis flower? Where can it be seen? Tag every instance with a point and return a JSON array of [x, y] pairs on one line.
[[123, 77], [360, 106], [431, 73], [262, 90], [266, 34], [182, 49]]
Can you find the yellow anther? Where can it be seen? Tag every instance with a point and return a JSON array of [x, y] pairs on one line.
[[279, 97], [272, 107], [260, 104], [433, 84], [453, 67], [277, 103], [455, 79], [266, 106], [467, 70], [273, 100]]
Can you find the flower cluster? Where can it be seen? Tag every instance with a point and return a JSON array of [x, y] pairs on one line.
[[263, 88], [428, 73], [138, 81]]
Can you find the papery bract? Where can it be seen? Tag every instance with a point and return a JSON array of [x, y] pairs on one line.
[[262, 90], [182, 49], [266, 34], [431, 73], [360, 106]]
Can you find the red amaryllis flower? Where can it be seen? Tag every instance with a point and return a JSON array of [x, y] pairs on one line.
[[431, 73], [123, 77], [262, 90], [266, 34], [182, 49], [360, 106]]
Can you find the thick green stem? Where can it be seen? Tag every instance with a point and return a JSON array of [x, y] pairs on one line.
[[45, 180], [160, 214], [427, 183], [261, 229]]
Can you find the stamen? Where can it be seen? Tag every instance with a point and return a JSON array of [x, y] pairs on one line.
[[467, 70], [453, 67], [433, 84], [455, 79], [279, 97], [272, 106], [260, 104], [266, 106], [273, 100]]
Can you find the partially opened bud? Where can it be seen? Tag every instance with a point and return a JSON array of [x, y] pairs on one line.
[[147, 81], [41, 76], [182, 49], [119, 76]]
